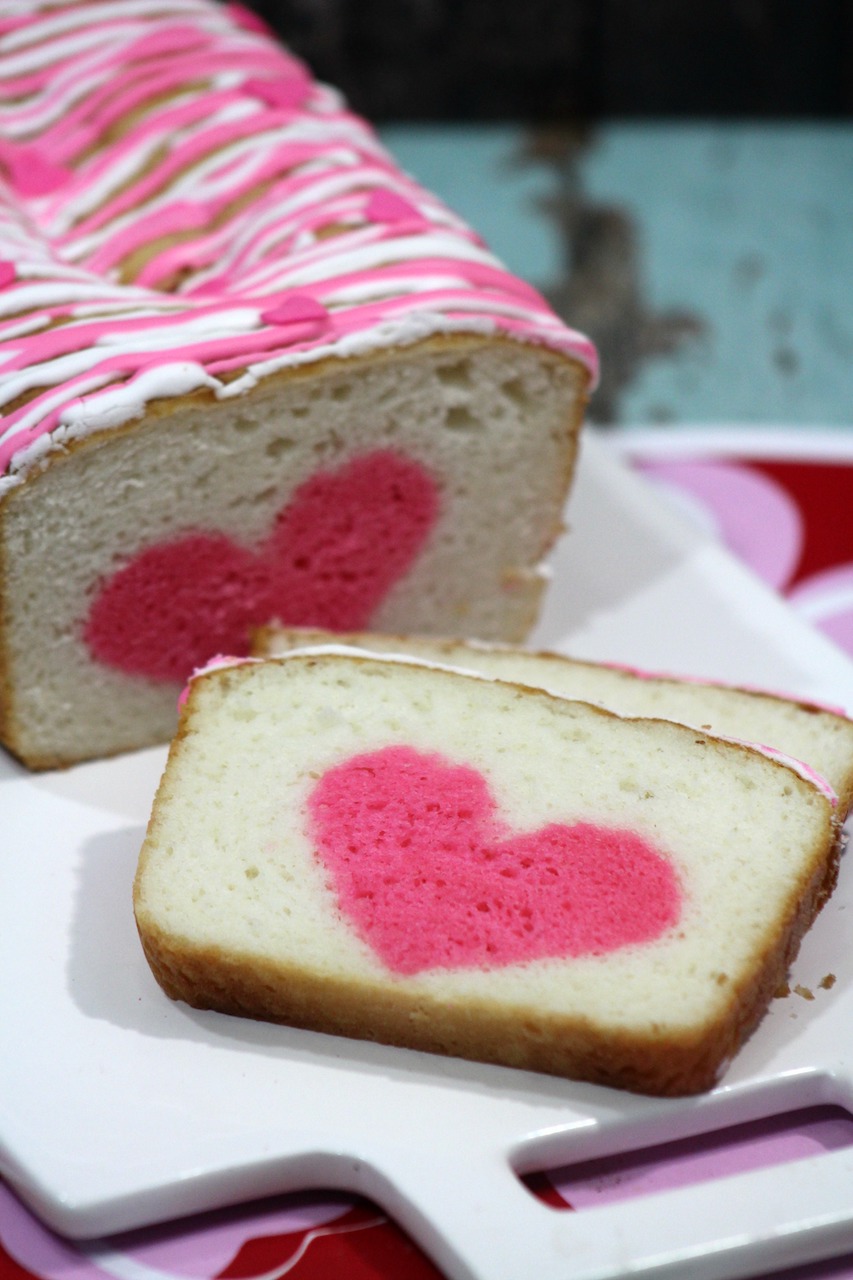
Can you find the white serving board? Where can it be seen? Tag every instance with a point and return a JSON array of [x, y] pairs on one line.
[[119, 1108]]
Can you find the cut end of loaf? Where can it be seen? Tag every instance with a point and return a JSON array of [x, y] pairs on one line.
[[226, 477]]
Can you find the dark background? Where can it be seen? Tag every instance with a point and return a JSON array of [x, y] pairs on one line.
[[540, 60]]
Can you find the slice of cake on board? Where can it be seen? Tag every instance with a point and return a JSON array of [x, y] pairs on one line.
[[433, 860]]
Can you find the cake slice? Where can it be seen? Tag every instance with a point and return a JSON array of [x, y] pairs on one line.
[[816, 735], [396, 852]]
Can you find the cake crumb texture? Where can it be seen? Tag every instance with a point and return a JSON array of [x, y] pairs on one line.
[[265, 890], [819, 737]]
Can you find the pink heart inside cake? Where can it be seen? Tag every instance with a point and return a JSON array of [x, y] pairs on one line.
[[431, 877], [335, 551]]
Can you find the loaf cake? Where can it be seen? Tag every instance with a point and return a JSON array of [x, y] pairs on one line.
[[382, 849], [821, 737], [248, 369]]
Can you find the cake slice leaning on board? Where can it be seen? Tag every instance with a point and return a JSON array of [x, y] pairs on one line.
[[393, 851], [819, 736]]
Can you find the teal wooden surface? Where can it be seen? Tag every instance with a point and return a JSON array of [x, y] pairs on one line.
[[716, 260]]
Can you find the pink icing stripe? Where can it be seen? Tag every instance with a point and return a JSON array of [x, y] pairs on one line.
[[387, 206], [31, 172], [112, 102], [227, 128], [298, 308], [65, 339], [283, 94], [182, 157]]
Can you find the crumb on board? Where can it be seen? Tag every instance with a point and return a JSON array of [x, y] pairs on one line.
[[826, 983]]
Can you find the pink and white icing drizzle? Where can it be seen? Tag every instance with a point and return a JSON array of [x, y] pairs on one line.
[[183, 207]]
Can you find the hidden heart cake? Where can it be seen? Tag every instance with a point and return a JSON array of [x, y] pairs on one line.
[[821, 737], [248, 369], [383, 849]]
